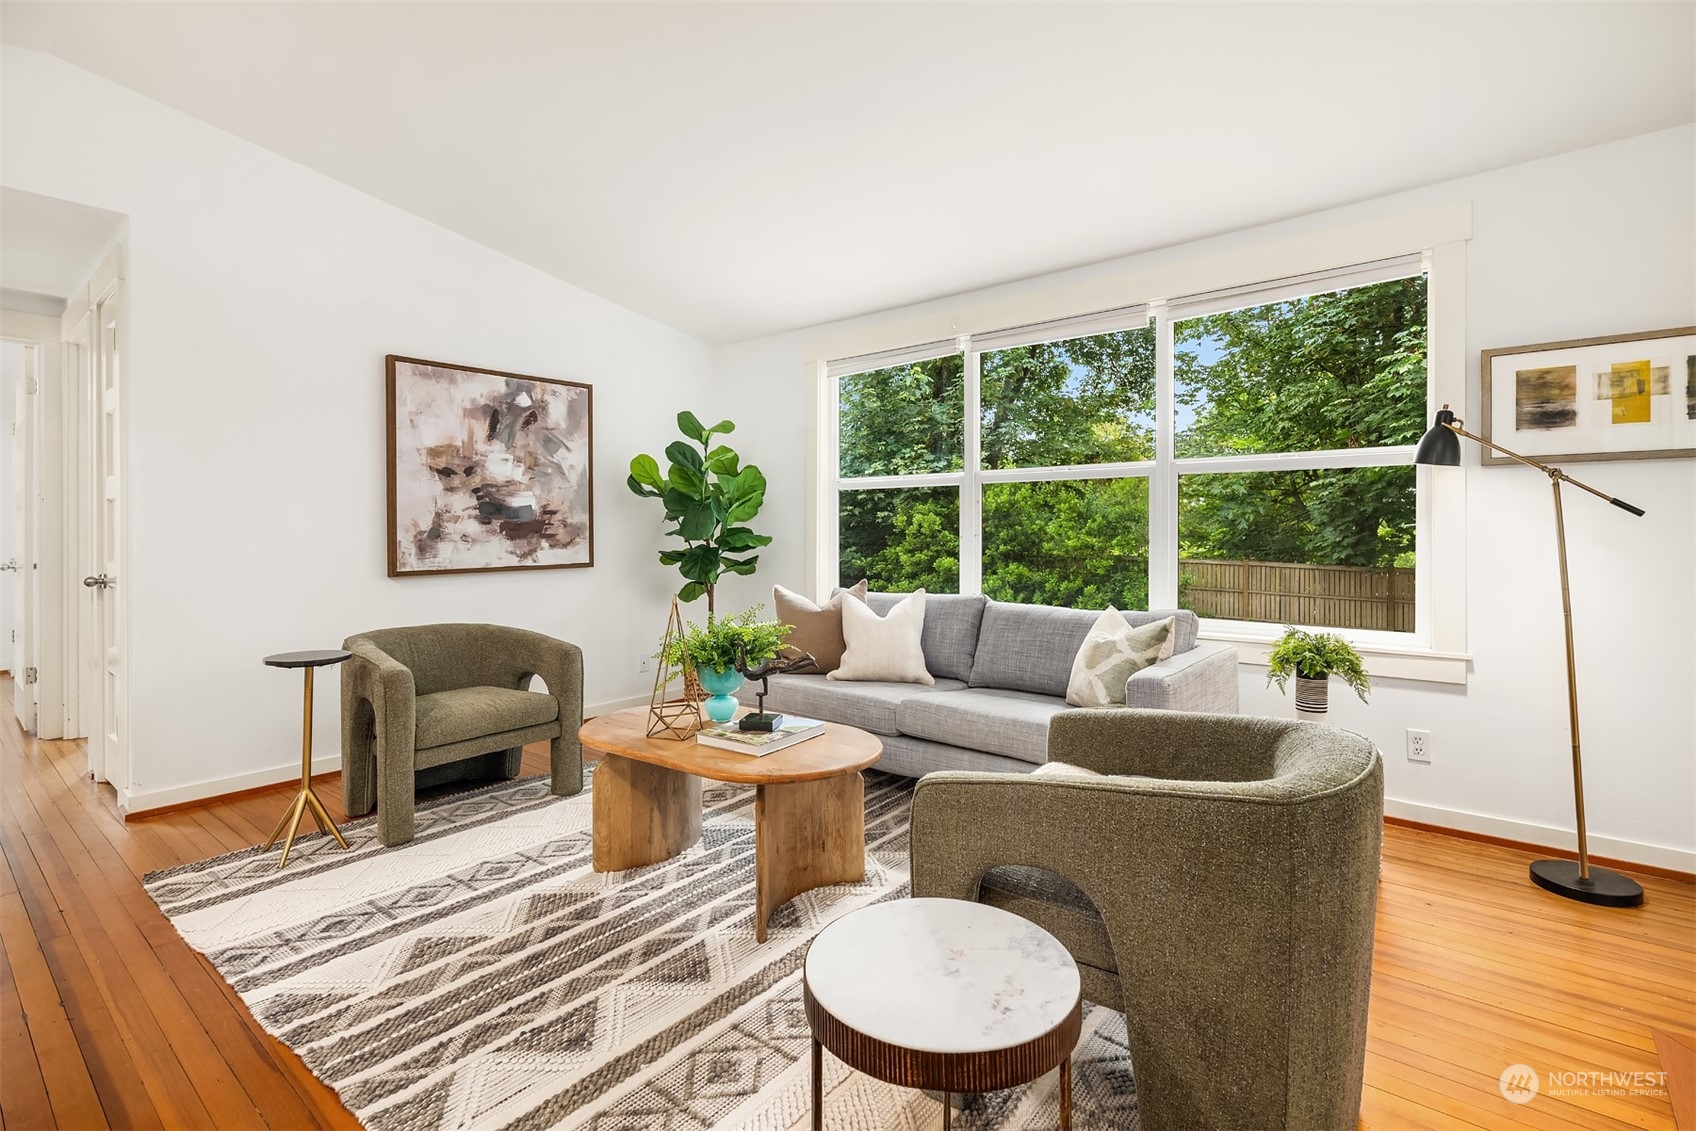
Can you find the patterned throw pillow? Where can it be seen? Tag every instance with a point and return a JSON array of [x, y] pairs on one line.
[[884, 648], [1111, 652], [817, 628]]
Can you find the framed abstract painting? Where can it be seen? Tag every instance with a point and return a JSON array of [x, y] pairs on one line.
[[487, 470], [1632, 396]]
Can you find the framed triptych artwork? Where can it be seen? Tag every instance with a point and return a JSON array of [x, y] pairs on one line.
[[1632, 396], [487, 470]]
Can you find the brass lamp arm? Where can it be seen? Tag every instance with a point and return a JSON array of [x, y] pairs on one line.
[[1554, 473]]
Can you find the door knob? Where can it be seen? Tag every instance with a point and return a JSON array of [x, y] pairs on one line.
[[98, 581]]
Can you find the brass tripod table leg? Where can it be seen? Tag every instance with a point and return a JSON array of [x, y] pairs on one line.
[[305, 801], [325, 821], [291, 817]]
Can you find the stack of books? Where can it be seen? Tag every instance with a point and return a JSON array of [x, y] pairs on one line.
[[757, 743]]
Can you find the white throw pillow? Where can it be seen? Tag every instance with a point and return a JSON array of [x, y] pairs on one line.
[[884, 648], [1111, 652]]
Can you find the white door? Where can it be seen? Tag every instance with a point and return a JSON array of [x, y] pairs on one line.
[[107, 584], [23, 538], [81, 488]]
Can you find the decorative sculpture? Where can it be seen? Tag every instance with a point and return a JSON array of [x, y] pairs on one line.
[[777, 665], [667, 717]]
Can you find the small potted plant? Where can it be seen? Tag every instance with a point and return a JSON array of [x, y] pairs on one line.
[[714, 652], [1313, 658]]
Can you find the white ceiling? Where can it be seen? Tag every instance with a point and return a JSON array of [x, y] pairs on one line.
[[48, 246], [736, 169]]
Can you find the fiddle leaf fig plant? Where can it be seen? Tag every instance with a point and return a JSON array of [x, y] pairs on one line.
[[710, 497], [1316, 655]]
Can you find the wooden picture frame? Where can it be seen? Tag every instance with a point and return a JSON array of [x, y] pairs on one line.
[[488, 471], [1625, 396]]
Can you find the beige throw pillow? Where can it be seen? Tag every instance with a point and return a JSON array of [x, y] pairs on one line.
[[1111, 652], [817, 628], [884, 648], [1063, 770]]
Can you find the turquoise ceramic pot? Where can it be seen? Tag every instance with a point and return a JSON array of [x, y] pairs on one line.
[[721, 708]]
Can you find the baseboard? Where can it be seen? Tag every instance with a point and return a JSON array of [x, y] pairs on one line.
[[1675, 863], [590, 710], [154, 801]]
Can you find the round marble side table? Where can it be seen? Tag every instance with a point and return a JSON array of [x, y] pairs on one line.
[[305, 801], [945, 995]]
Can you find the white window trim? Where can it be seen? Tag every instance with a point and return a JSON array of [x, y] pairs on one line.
[[1434, 652]]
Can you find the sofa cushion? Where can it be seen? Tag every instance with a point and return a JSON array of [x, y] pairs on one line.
[[1057, 905], [1011, 723], [869, 706], [950, 639], [1031, 647], [472, 712]]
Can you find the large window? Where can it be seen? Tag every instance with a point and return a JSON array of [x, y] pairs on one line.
[[1248, 455]]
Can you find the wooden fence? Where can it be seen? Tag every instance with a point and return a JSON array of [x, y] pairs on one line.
[[1284, 593]]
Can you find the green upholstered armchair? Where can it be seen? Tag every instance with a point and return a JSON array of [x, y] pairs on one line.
[[1220, 888], [444, 702]]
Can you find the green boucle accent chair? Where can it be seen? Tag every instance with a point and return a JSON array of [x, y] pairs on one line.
[[446, 702], [1220, 888]]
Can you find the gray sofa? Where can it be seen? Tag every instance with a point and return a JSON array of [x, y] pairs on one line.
[[1001, 672]]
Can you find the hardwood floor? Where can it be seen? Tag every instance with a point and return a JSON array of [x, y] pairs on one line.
[[108, 1019]]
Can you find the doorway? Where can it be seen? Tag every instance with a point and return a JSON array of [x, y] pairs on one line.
[[62, 341], [20, 377]]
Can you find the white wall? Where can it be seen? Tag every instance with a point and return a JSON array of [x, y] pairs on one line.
[[1559, 251], [262, 298], [11, 370]]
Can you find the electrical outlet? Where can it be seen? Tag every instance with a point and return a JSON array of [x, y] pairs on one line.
[[1419, 746], [644, 664]]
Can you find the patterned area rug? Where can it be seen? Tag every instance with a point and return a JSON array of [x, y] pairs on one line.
[[485, 976]]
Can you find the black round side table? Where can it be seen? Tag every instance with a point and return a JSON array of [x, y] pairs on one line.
[[306, 801]]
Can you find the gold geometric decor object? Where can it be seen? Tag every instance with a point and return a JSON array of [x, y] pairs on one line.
[[667, 717]]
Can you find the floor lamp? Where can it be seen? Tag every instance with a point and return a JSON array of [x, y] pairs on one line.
[[1575, 880]]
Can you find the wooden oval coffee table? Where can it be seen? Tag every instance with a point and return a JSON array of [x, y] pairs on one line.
[[943, 994], [809, 804]]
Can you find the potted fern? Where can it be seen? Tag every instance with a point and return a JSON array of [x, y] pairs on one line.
[[713, 653], [1313, 658]]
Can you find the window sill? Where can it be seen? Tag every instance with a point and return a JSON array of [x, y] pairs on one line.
[[1382, 660]]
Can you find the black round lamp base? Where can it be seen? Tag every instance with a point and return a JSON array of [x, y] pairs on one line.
[[1604, 887]]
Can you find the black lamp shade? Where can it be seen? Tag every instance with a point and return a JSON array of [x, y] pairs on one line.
[[1440, 445]]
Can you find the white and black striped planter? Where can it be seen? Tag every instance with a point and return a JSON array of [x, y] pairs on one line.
[[1312, 695]]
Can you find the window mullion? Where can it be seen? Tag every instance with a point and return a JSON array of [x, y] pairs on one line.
[[1395, 455], [827, 531], [1141, 469], [914, 479], [1163, 483], [971, 487]]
